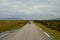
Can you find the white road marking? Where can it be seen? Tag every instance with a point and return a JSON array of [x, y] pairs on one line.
[[40, 29], [46, 34], [4, 35]]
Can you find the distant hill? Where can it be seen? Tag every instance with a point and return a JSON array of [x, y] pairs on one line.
[[57, 19], [12, 18]]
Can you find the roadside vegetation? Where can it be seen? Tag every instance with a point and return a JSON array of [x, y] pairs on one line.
[[51, 26], [7, 25]]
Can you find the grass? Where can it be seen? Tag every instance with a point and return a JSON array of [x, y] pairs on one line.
[[7, 25], [54, 33]]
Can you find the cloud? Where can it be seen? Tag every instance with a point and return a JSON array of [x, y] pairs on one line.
[[29, 8]]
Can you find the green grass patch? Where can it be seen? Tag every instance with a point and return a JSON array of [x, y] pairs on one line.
[[54, 33], [7, 25]]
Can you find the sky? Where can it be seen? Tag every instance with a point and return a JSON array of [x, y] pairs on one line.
[[30, 9]]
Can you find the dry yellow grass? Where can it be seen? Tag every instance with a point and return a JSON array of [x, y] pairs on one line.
[[6, 25]]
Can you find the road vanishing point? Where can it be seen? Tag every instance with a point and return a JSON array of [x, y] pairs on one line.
[[28, 32]]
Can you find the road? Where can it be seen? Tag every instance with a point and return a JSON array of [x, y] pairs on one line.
[[28, 32]]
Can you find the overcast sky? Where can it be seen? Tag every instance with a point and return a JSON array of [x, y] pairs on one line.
[[30, 9]]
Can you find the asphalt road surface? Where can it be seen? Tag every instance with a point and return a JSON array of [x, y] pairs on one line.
[[29, 32]]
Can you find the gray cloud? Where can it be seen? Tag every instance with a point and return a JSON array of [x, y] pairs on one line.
[[34, 9]]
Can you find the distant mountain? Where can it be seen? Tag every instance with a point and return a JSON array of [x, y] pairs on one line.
[[57, 19], [12, 18]]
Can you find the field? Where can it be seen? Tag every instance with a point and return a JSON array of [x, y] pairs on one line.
[[51, 26], [7, 25]]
